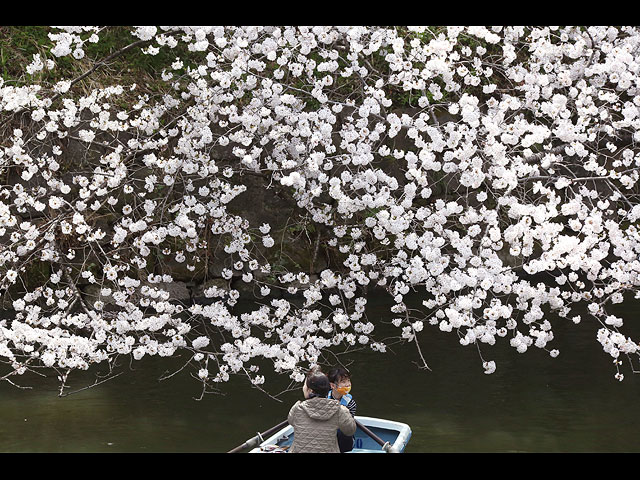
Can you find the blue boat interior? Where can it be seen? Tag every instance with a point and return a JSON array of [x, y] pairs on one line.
[[362, 441]]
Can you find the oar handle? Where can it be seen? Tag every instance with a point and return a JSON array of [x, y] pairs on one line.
[[258, 438], [275, 428], [240, 447]]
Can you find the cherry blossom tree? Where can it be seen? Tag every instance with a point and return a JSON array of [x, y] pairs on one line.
[[490, 172]]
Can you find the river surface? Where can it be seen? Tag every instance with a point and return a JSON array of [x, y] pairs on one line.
[[532, 403]]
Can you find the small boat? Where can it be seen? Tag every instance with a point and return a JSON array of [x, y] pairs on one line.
[[373, 435]]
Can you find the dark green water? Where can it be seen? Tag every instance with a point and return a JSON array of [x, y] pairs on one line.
[[532, 403]]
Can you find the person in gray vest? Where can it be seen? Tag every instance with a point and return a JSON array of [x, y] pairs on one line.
[[340, 381], [317, 419]]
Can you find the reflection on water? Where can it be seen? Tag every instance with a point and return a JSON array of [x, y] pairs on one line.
[[532, 403]]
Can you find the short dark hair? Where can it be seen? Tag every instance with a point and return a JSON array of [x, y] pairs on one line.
[[318, 383], [337, 374]]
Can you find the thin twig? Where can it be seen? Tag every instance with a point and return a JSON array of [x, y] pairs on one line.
[[95, 384]]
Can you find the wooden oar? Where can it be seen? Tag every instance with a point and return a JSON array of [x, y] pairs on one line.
[[386, 446], [254, 441]]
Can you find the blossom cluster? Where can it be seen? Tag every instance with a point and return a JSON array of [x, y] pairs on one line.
[[491, 172]]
